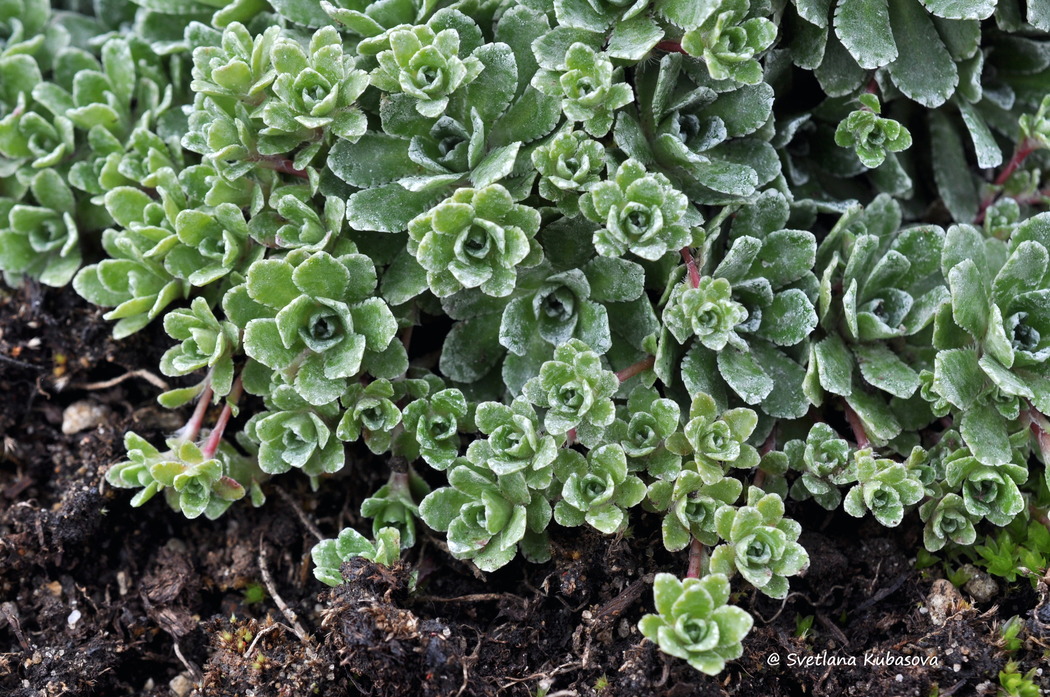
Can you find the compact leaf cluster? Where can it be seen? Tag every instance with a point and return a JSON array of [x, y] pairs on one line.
[[684, 260]]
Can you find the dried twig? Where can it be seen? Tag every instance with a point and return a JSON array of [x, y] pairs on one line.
[[106, 384], [191, 667], [303, 518], [472, 598], [288, 613], [263, 632]]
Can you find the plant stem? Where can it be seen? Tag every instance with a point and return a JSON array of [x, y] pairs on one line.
[[215, 437], [768, 446], [639, 367], [690, 264], [856, 426], [696, 559], [193, 426], [279, 164], [1041, 429], [670, 47], [1024, 149]]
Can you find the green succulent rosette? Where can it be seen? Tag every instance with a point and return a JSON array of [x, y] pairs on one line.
[[422, 63], [294, 433], [475, 239], [396, 505], [329, 555], [870, 135], [597, 489], [694, 623], [434, 421], [947, 520], [590, 88], [884, 487], [515, 444], [642, 213], [690, 507], [760, 543], [315, 322], [575, 390], [729, 38], [370, 414], [568, 165], [824, 462], [486, 523]]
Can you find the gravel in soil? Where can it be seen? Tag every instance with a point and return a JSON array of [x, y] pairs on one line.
[[99, 599]]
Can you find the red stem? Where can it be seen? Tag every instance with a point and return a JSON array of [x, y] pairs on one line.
[[639, 367], [1041, 429], [193, 426], [690, 264], [279, 164], [856, 426], [215, 437], [1024, 149], [696, 559], [670, 47]]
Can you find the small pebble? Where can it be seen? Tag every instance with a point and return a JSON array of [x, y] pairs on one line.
[[981, 586], [943, 601], [181, 685], [82, 415], [73, 618]]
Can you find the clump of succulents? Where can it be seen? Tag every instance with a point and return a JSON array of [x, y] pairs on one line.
[[571, 263]]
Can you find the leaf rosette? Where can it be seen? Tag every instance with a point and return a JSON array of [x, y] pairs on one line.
[[694, 623], [760, 543], [597, 489], [485, 523], [475, 239], [591, 89], [575, 390], [884, 487], [641, 212], [319, 323]]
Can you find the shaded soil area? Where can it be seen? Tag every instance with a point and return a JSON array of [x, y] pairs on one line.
[[97, 598]]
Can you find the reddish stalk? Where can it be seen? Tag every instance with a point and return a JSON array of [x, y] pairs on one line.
[[696, 559], [279, 164], [1024, 149], [856, 426], [670, 47], [639, 367], [690, 264], [768, 446], [215, 437], [1041, 429], [193, 426]]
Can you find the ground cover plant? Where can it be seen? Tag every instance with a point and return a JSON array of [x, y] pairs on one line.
[[558, 264]]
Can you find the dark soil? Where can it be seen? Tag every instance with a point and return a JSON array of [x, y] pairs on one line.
[[97, 598]]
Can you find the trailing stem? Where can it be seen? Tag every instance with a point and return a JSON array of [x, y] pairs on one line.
[[280, 164], [859, 434], [193, 426], [696, 559], [690, 264], [639, 367], [215, 437], [671, 47], [1024, 149]]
